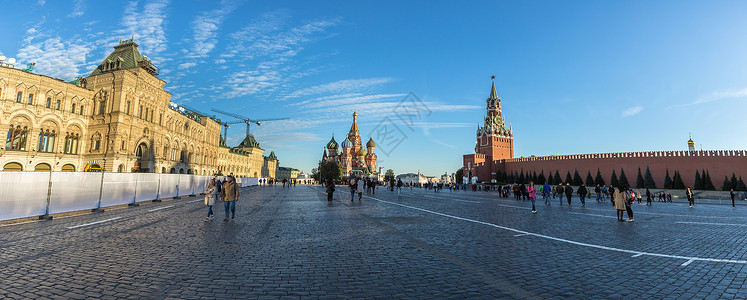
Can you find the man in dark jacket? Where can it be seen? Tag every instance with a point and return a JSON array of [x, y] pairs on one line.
[[582, 193], [568, 192], [598, 190], [690, 197]]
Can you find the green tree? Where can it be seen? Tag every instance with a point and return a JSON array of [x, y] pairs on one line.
[[707, 182], [599, 179], [568, 178], [459, 174], [623, 178], [734, 181], [740, 185], [557, 179], [589, 179], [668, 184], [389, 175], [541, 177], [329, 170], [550, 179], [677, 182], [639, 179], [648, 180], [613, 179], [698, 181], [534, 177], [522, 178], [577, 181], [727, 184]]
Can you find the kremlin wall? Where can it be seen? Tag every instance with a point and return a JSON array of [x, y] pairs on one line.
[[494, 154]]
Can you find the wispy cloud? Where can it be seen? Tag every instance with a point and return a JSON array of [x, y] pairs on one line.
[[79, 8], [718, 95], [54, 56], [632, 111], [147, 24], [205, 30], [342, 86]]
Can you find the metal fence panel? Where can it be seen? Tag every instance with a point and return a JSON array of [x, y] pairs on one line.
[[72, 191], [186, 185], [147, 187], [118, 189], [168, 185], [23, 194]]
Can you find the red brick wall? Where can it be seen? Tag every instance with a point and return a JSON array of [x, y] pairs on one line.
[[718, 164]]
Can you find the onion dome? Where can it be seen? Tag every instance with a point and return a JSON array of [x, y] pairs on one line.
[[370, 143], [346, 144], [332, 143], [361, 152]]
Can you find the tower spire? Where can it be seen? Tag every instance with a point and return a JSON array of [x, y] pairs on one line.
[[493, 93]]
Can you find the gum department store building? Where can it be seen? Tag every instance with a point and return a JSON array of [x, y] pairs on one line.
[[118, 119]]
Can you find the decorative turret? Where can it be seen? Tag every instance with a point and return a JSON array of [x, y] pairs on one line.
[[249, 142], [353, 135], [124, 57], [690, 144], [332, 143]]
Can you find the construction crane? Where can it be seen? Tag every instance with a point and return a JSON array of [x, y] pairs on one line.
[[245, 119], [216, 119]]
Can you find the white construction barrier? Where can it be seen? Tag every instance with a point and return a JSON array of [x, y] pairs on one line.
[[186, 185], [167, 187], [72, 191], [118, 189], [147, 187], [23, 194]]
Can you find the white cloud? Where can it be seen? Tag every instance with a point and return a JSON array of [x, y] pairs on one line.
[[79, 8], [632, 111], [205, 29], [718, 95], [41, 2], [147, 25], [56, 57], [187, 65], [342, 86]]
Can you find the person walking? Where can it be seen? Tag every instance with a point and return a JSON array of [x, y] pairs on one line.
[[648, 197], [353, 184], [399, 186], [604, 193], [210, 199], [546, 190], [598, 190], [731, 194], [568, 192], [629, 202], [618, 199], [690, 197], [360, 189], [559, 191], [582, 191], [612, 192], [373, 184], [330, 189], [230, 194], [532, 192]]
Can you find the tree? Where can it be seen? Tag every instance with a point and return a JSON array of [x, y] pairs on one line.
[[459, 175], [577, 181], [707, 182], [550, 179], [522, 178], [557, 179], [589, 179], [734, 181], [315, 174], [698, 182], [740, 185], [623, 178], [541, 177], [639, 179], [534, 177], [648, 180], [329, 170], [613, 179], [599, 180], [727, 184], [568, 178], [677, 181], [668, 184], [389, 175]]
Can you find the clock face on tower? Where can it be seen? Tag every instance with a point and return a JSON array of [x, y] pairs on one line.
[[496, 121]]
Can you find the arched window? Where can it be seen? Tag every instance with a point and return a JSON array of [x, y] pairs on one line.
[[96, 141], [102, 107], [13, 166], [49, 103], [73, 110], [57, 105], [16, 139], [46, 141], [18, 97], [81, 109], [120, 169], [71, 143], [31, 99], [68, 168], [43, 167]]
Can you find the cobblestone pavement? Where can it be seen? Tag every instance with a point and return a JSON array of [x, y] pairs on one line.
[[292, 243]]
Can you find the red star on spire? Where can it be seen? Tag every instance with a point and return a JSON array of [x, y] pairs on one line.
[[492, 77]]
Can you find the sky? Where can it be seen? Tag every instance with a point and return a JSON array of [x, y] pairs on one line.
[[574, 76]]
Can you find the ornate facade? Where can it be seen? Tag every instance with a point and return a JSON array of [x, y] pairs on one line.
[[118, 119], [352, 157]]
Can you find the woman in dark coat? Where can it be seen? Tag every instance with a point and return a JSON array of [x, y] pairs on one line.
[[330, 189]]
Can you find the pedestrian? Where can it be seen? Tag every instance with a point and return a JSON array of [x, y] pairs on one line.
[[604, 193], [399, 186], [546, 190], [568, 192], [648, 197], [353, 184], [612, 193], [582, 191], [690, 197], [230, 195], [731, 193], [559, 191], [210, 199], [598, 190], [373, 184], [618, 199], [639, 196], [532, 192], [330, 189], [360, 189], [628, 202]]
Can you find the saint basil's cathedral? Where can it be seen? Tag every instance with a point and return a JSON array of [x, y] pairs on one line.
[[352, 157]]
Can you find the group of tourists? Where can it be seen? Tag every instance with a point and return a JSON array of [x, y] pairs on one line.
[[225, 190]]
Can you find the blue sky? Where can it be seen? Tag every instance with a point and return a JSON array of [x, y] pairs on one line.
[[574, 76]]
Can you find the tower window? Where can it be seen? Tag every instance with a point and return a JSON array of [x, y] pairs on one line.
[[57, 105], [31, 99], [18, 97], [49, 103]]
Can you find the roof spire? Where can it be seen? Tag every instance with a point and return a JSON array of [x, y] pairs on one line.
[[493, 93]]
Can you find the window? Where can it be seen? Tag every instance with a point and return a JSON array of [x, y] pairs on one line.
[[123, 145], [31, 99], [151, 116], [102, 107], [57, 105], [49, 103], [18, 97], [73, 110], [81, 109], [46, 141], [97, 145], [71, 143], [146, 114], [140, 112], [16, 139], [160, 118], [127, 108]]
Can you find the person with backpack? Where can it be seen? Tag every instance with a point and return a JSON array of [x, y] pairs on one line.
[[582, 191], [568, 192], [399, 186]]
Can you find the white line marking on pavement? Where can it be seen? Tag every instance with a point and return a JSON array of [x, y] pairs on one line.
[[160, 208], [575, 213], [466, 201], [568, 241], [19, 223], [195, 200], [706, 223], [687, 262], [94, 223], [523, 234], [637, 255]]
